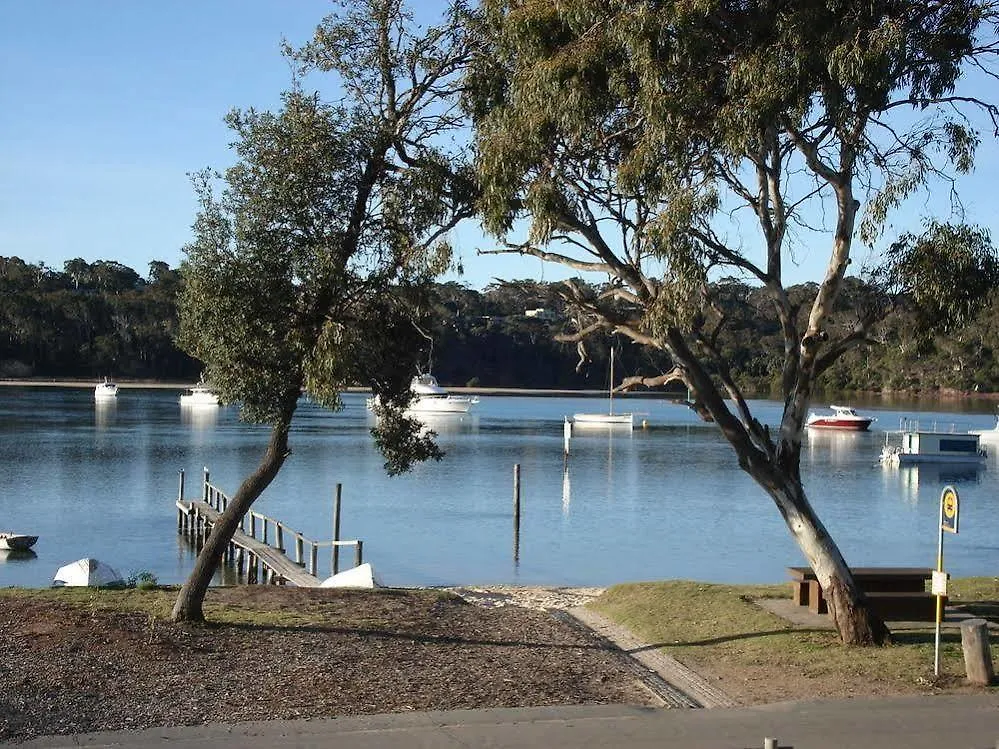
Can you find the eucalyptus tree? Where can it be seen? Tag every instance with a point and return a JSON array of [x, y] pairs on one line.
[[642, 137], [308, 270]]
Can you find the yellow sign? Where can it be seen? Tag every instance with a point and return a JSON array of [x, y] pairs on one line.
[[949, 506]]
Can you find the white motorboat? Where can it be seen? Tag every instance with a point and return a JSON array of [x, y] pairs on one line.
[[913, 446], [16, 541], [105, 390], [199, 395], [844, 418], [430, 398], [609, 419]]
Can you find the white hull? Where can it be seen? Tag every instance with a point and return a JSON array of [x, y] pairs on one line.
[[16, 542], [199, 396], [896, 459], [452, 404], [431, 398], [603, 420], [105, 391]]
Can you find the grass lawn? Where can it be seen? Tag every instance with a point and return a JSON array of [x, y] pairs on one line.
[[759, 657]]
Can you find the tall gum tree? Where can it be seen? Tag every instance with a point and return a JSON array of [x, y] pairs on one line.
[[309, 268], [629, 132]]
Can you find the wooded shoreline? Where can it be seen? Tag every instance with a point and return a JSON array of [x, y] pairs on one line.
[[944, 394]]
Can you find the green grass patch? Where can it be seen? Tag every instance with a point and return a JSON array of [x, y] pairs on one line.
[[703, 624]]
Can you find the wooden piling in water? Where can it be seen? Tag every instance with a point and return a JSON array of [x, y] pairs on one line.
[[516, 512], [335, 561]]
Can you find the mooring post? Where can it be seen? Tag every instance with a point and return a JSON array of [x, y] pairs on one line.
[[516, 511], [335, 562], [769, 743], [279, 535], [253, 524], [264, 539], [314, 560], [204, 493], [977, 653], [359, 553], [299, 550], [180, 489]]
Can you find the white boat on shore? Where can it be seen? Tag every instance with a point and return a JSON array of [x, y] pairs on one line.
[[430, 398], [844, 418], [16, 541], [105, 390], [199, 395], [911, 446]]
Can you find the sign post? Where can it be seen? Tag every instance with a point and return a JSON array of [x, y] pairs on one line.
[[949, 504]]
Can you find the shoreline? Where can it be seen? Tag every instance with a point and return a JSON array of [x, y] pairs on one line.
[[945, 394]]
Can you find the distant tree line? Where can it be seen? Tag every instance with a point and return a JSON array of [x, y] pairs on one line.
[[90, 320]]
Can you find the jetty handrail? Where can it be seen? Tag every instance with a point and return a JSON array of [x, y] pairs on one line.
[[217, 499]]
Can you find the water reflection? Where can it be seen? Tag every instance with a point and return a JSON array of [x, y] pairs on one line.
[[912, 478], [11, 555], [199, 417], [566, 492], [105, 411], [840, 447], [449, 423]]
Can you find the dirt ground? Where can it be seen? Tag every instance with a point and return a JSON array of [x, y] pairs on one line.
[[71, 668]]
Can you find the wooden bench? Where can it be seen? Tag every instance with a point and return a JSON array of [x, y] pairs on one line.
[[894, 593]]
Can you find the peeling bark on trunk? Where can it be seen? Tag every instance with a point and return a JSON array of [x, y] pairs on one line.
[[848, 607], [189, 604]]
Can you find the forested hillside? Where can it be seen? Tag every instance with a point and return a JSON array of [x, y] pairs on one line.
[[95, 319]]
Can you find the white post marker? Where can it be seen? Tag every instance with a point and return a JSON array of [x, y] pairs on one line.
[[567, 433], [949, 502]]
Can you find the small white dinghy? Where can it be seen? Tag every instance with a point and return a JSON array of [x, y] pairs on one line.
[[362, 576], [89, 573]]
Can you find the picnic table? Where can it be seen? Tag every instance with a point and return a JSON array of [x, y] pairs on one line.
[[894, 593]]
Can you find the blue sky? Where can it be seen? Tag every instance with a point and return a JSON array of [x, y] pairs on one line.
[[106, 105]]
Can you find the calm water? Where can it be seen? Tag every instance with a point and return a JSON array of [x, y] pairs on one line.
[[663, 502]]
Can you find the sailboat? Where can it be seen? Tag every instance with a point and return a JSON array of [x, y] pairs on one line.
[[609, 419]]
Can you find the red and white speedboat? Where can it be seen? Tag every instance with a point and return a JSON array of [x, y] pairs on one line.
[[842, 417]]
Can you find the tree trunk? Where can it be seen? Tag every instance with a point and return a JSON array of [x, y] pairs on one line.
[[848, 607], [190, 600]]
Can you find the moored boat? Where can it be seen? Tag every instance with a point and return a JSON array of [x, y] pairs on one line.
[[105, 390], [16, 541], [609, 419], [199, 395], [430, 398], [916, 446], [844, 418]]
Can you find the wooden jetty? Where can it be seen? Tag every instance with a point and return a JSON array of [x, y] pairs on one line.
[[262, 561]]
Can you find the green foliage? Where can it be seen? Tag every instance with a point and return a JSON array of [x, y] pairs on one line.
[[142, 580], [946, 273]]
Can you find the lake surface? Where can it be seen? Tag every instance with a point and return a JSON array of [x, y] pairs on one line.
[[665, 501]]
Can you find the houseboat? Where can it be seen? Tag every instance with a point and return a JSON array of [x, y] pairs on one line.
[[911, 446]]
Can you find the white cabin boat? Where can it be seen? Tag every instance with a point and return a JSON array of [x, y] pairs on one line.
[[16, 541], [430, 398], [199, 395], [844, 418], [913, 446], [105, 390]]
